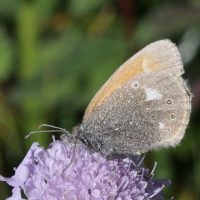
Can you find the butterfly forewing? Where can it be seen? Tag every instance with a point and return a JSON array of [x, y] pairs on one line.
[[159, 55]]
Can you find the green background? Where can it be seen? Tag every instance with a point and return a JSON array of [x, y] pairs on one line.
[[56, 54]]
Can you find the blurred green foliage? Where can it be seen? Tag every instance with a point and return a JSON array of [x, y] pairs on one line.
[[55, 55]]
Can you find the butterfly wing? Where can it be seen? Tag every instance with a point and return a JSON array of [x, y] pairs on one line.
[[144, 105]]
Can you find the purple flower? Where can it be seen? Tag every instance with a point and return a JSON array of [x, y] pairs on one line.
[[59, 173]]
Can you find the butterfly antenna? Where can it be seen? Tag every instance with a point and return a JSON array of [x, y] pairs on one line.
[[56, 129]]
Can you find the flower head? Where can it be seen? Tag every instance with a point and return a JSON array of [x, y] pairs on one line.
[[64, 172]]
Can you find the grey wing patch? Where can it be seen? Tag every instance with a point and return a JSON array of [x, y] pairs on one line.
[[147, 112]]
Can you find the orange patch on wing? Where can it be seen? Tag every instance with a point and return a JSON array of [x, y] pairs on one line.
[[130, 69]]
